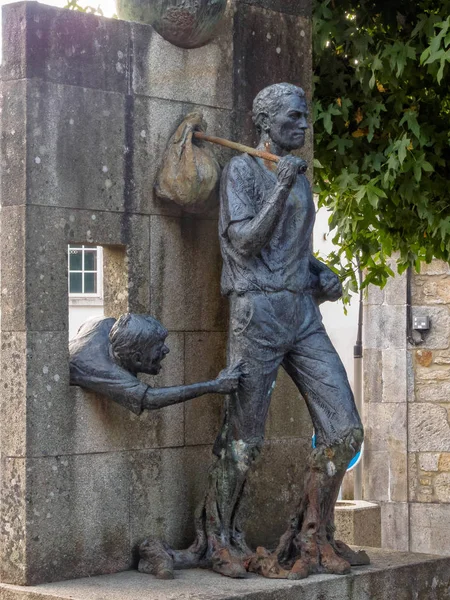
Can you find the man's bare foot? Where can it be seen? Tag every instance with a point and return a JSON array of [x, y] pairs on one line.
[[266, 564], [332, 563], [300, 570], [355, 557], [226, 564], [155, 560]]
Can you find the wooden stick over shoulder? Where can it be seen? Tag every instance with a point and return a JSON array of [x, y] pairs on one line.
[[235, 146], [199, 135]]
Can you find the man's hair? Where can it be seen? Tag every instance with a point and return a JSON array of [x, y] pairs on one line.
[[268, 101], [132, 333]]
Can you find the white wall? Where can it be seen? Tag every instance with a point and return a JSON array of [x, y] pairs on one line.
[[341, 328], [79, 313]]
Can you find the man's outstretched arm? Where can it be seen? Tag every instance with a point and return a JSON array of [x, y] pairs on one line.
[[226, 382]]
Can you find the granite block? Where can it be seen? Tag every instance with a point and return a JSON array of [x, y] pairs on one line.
[[65, 46], [185, 274], [429, 428], [166, 487], [13, 385], [275, 485], [205, 357], [77, 516], [13, 511], [200, 76], [384, 327], [13, 142], [430, 529], [395, 525], [76, 147], [12, 259], [288, 413], [285, 43], [292, 7]]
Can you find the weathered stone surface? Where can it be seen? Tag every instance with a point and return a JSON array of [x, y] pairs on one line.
[[394, 375], [275, 486], [429, 429], [385, 458], [430, 461], [288, 413], [13, 385], [185, 253], [395, 525], [373, 375], [66, 164], [374, 295], [444, 461], [424, 357], [205, 356], [430, 527], [12, 260], [13, 509], [411, 577], [432, 391], [65, 46], [436, 267], [77, 516], [438, 338], [166, 487], [283, 40], [13, 142], [395, 290], [384, 327], [292, 7], [115, 280], [431, 289], [358, 523], [202, 76]]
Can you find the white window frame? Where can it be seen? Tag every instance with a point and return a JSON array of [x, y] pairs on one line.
[[79, 299]]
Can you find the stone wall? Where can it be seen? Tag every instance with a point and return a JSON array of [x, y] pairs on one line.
[[406, 465], [88, 105]]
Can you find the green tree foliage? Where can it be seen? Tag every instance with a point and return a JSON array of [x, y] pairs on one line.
[[382, 132], [74, 5]]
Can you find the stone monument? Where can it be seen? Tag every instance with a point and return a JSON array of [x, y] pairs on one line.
[[88, 106]]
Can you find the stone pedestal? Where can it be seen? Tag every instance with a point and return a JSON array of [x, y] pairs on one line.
[[392, 575]]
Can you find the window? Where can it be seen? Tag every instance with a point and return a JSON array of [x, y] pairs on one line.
[[85, 270]]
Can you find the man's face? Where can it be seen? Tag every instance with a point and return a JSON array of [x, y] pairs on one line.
[[288, 126], [150, 359]]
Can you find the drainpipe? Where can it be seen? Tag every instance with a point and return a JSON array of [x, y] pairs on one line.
[[358, 383]]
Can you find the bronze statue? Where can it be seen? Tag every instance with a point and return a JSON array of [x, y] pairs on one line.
[[106, 355], [274, 285]]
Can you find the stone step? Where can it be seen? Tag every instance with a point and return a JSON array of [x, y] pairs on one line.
[[391, 576]]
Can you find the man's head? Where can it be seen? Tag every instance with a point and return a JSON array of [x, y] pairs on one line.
[[280, 112], [137, 343]]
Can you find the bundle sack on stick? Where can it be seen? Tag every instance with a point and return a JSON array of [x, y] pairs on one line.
[[189, 174]]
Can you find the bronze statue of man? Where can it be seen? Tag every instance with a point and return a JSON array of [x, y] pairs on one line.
[[106, 355], [274, 285]]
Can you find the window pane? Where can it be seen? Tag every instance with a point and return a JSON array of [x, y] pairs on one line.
[[75, 263], [90, 283], [90, 260], [75, 286]]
